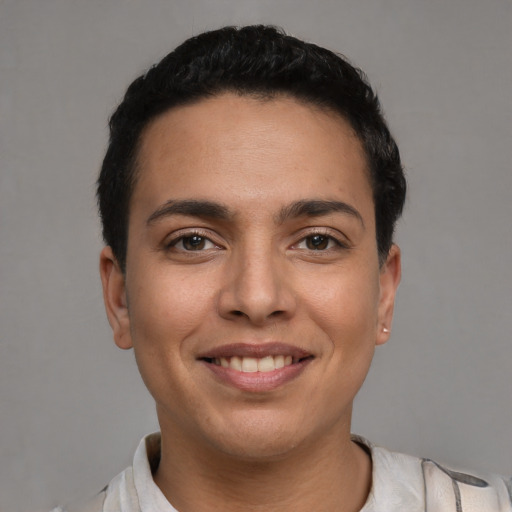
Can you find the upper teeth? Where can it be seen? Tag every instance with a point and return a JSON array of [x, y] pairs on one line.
[[253, 364]]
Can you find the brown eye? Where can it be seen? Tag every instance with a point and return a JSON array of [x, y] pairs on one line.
[[194, 242], [317, 242], [191, 243]]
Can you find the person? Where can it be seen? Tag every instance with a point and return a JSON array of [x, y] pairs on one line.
[[249, 196]]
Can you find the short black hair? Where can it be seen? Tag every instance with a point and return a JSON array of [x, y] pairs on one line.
[[258, 61]]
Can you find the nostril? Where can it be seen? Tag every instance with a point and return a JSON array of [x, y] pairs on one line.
[[274, 314]]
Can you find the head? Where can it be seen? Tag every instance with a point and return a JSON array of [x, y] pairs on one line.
[[255, 61], [249, 195]]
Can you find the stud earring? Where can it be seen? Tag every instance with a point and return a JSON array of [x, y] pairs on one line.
[[385, 330]]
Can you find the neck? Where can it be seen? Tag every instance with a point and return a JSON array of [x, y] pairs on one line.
[[329, 474]]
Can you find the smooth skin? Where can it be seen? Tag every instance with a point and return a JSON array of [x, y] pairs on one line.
[[251, 264]]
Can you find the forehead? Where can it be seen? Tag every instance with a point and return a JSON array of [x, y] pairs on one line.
[[252, 148]]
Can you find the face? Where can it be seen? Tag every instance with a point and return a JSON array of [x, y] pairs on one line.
[[253, 296]]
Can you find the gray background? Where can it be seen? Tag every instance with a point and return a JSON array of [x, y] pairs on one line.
[[72, 406]]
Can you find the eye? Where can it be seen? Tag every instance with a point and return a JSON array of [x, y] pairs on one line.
[[318, 242], [192, 243]]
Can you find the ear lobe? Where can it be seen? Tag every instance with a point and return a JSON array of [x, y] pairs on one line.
[[114, 296], [390, 274]]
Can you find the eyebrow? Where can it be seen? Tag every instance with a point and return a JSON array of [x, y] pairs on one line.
[[317, 208], [190, 207], [214, 210]]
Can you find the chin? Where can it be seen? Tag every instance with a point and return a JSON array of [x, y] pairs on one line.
[[259, 438]]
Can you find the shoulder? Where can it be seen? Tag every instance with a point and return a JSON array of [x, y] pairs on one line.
[[94, 505], [132, 489], [467, 491], [404, 482], [120, 495]]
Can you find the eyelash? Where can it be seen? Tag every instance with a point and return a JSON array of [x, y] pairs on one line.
[[325, 237], [189, 235]]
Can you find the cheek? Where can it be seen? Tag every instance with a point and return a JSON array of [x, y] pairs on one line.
[[166, 307], [345, 305]]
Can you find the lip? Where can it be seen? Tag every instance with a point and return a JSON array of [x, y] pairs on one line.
[[255, 350], [256, 382]]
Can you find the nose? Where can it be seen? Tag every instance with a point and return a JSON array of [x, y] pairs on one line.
[[257, 288]]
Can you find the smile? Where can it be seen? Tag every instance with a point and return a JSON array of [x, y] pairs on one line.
[[252, 364], [256, 368]]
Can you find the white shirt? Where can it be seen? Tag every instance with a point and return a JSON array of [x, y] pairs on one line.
[[401, 483]]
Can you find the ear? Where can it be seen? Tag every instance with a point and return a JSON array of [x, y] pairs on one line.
[[114, 296], [390, 274]]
